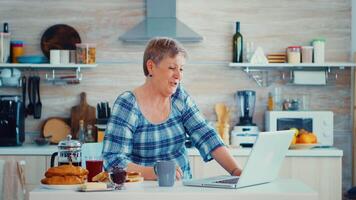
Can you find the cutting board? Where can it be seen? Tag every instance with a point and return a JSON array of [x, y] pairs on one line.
[[57, 128], [59, 36], [83, 111]]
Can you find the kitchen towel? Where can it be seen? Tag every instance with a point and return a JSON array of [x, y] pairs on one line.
[[12, 188], [2, 165]]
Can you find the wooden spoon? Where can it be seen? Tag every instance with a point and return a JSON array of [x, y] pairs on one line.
[[220, 109]]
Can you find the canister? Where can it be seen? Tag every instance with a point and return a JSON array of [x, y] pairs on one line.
[[17, 50], [319, 50], [293, 54], [307, 54], [86, 53], [4, 47]]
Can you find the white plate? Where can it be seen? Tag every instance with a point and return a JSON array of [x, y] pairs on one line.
[[302, 146], [62, 187], [96, 190]]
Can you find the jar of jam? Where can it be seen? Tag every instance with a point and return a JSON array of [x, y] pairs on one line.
[[293, 54]]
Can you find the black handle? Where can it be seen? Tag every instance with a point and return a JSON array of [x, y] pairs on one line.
[[23, 81], [38, 89], [53, 157], [37, 104], [34, 92], [29, 92], [6, 27]]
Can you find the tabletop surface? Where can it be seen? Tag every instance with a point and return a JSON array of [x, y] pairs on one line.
[[279, 189]]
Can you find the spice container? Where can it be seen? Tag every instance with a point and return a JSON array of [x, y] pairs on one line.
[[293, 54], [307, 54], [319, 50], [270, 102], [85, 53], [17, 50]]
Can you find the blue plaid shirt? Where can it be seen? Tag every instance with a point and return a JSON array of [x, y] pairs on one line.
[[130, 137]]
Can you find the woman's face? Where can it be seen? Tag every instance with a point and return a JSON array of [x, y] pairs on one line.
[[167, 74]]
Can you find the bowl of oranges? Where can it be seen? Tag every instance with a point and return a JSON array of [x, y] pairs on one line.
[[303, 139]]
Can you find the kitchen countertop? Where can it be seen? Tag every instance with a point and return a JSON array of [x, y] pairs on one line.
[[32, 149], [276, 190]]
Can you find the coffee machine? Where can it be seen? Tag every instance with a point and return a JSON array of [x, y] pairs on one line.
[[12, 120], [245, 132]]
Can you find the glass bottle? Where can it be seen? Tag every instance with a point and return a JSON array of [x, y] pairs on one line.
[[237, 47], [270, 102], [81, 134], [89, 135]]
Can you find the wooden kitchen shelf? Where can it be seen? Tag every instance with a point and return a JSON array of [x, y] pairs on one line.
[[46, 66], [287, 66], [52, 76], [258, 72]]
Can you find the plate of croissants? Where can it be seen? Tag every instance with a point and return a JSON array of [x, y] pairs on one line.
[[70, 177], [65, 177]]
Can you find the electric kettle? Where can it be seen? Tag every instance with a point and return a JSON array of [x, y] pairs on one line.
[[69, 151]]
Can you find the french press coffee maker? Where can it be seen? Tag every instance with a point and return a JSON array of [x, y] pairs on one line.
[[69, 151]]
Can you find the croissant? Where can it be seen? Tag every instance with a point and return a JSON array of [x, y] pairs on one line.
[[66, 170], [63, 180], [101, 177]]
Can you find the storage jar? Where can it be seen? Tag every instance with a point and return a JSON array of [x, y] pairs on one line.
[[293, 54], [319, 50], [307, 54], [86, 53], [17, 50], [4, 47]]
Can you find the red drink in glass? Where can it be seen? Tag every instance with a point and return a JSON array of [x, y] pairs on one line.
[[94, 167]]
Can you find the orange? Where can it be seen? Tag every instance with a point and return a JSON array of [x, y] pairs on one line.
[[307, 138]]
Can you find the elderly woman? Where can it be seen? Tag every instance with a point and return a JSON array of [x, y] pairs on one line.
[[151, 122]]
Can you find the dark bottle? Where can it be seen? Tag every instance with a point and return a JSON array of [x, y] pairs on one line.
[[6, 27], [237, 45]]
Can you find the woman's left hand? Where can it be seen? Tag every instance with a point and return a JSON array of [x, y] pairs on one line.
[[179, 173]]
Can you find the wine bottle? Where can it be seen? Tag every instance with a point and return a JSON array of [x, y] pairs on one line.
[[237, 47]]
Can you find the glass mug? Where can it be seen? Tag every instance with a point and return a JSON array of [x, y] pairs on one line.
[[94, 165]]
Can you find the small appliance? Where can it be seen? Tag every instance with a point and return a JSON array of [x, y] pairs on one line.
[[245, 132], [69, 151], [12, 121], [321, 123]]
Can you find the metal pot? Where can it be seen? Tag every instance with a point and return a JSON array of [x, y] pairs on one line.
[[69, 151]]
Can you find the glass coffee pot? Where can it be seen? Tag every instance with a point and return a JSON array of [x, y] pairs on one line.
[[69, 151]]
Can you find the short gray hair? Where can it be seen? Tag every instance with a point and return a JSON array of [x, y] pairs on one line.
[[160, 47]]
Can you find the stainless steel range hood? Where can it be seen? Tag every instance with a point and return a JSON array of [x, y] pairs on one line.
[[161, 21]]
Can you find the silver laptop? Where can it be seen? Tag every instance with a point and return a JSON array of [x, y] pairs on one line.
[[262, 166]]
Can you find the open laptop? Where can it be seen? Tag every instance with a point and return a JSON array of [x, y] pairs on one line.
[[262, 165]]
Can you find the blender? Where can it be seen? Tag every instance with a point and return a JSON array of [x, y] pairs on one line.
[[245, 132]]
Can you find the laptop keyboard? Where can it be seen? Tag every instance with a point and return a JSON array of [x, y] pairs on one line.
[[229, 181]]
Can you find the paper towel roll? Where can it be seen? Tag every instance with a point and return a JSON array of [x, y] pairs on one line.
[[309, 77]]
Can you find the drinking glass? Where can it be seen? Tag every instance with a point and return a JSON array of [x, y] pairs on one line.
[[94, 165]]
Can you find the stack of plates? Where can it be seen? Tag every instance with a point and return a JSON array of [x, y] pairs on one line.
[[277, 58]]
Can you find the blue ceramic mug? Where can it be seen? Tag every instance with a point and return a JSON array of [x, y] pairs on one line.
[[166, 172]]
